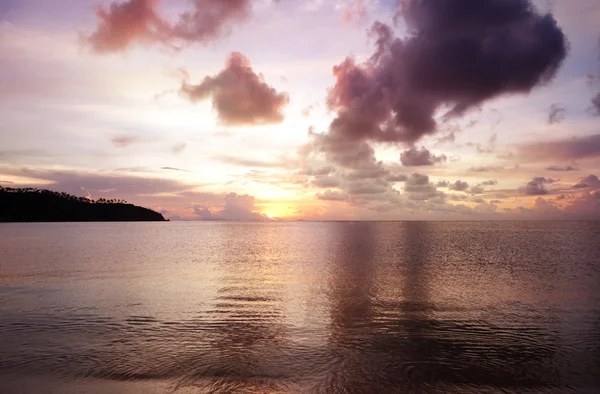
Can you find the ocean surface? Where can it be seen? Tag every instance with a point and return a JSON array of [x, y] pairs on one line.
[[464, 307]]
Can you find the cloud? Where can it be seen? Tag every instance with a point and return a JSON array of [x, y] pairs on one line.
[[490, 147], [125, 140], [173, 169], [485, 169], [590, 181], [596, 105], [457, 55], [326, 170], [419, 188], [331, 195], [459, 186], [478, 189], [237, 207], [178, 148], [204, 213], [257, 163], [414, 157], [536, 187], [392, 178], [562, 168], [122, 24], [326, 182], [556, 114], [491, 182], [239, 95], [130, 188], [565, 149]]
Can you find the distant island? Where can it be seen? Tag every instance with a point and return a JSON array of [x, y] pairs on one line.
[[39, 205]]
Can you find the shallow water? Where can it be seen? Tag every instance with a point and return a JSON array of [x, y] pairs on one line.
[[300, 307]]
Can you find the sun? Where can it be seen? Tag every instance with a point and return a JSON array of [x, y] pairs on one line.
[[269, 215]]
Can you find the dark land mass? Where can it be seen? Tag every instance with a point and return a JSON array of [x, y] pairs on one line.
[[38, 205]]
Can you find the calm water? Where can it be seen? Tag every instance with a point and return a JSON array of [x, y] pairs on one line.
[[300, 307]]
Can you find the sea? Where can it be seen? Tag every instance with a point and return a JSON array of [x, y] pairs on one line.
[[300, 307]]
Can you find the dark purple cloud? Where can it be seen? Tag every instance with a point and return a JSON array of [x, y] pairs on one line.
[[122, 24], [239, 95], [566, 149], [536, 187], [415, 157], [556, 114], [458, 54]]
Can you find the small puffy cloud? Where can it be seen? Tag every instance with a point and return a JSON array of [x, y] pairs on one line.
[[123, 141], [556, 114], [459, 186], [415, 157], [596, 105], [239, 95], [178, 148], [476, 189], [536, 187]]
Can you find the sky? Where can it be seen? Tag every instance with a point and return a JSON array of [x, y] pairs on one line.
[[307, 109]]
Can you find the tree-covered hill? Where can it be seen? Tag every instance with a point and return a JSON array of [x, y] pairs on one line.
[[39, 205]]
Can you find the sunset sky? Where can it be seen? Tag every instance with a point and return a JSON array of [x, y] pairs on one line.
[[307, 109]]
